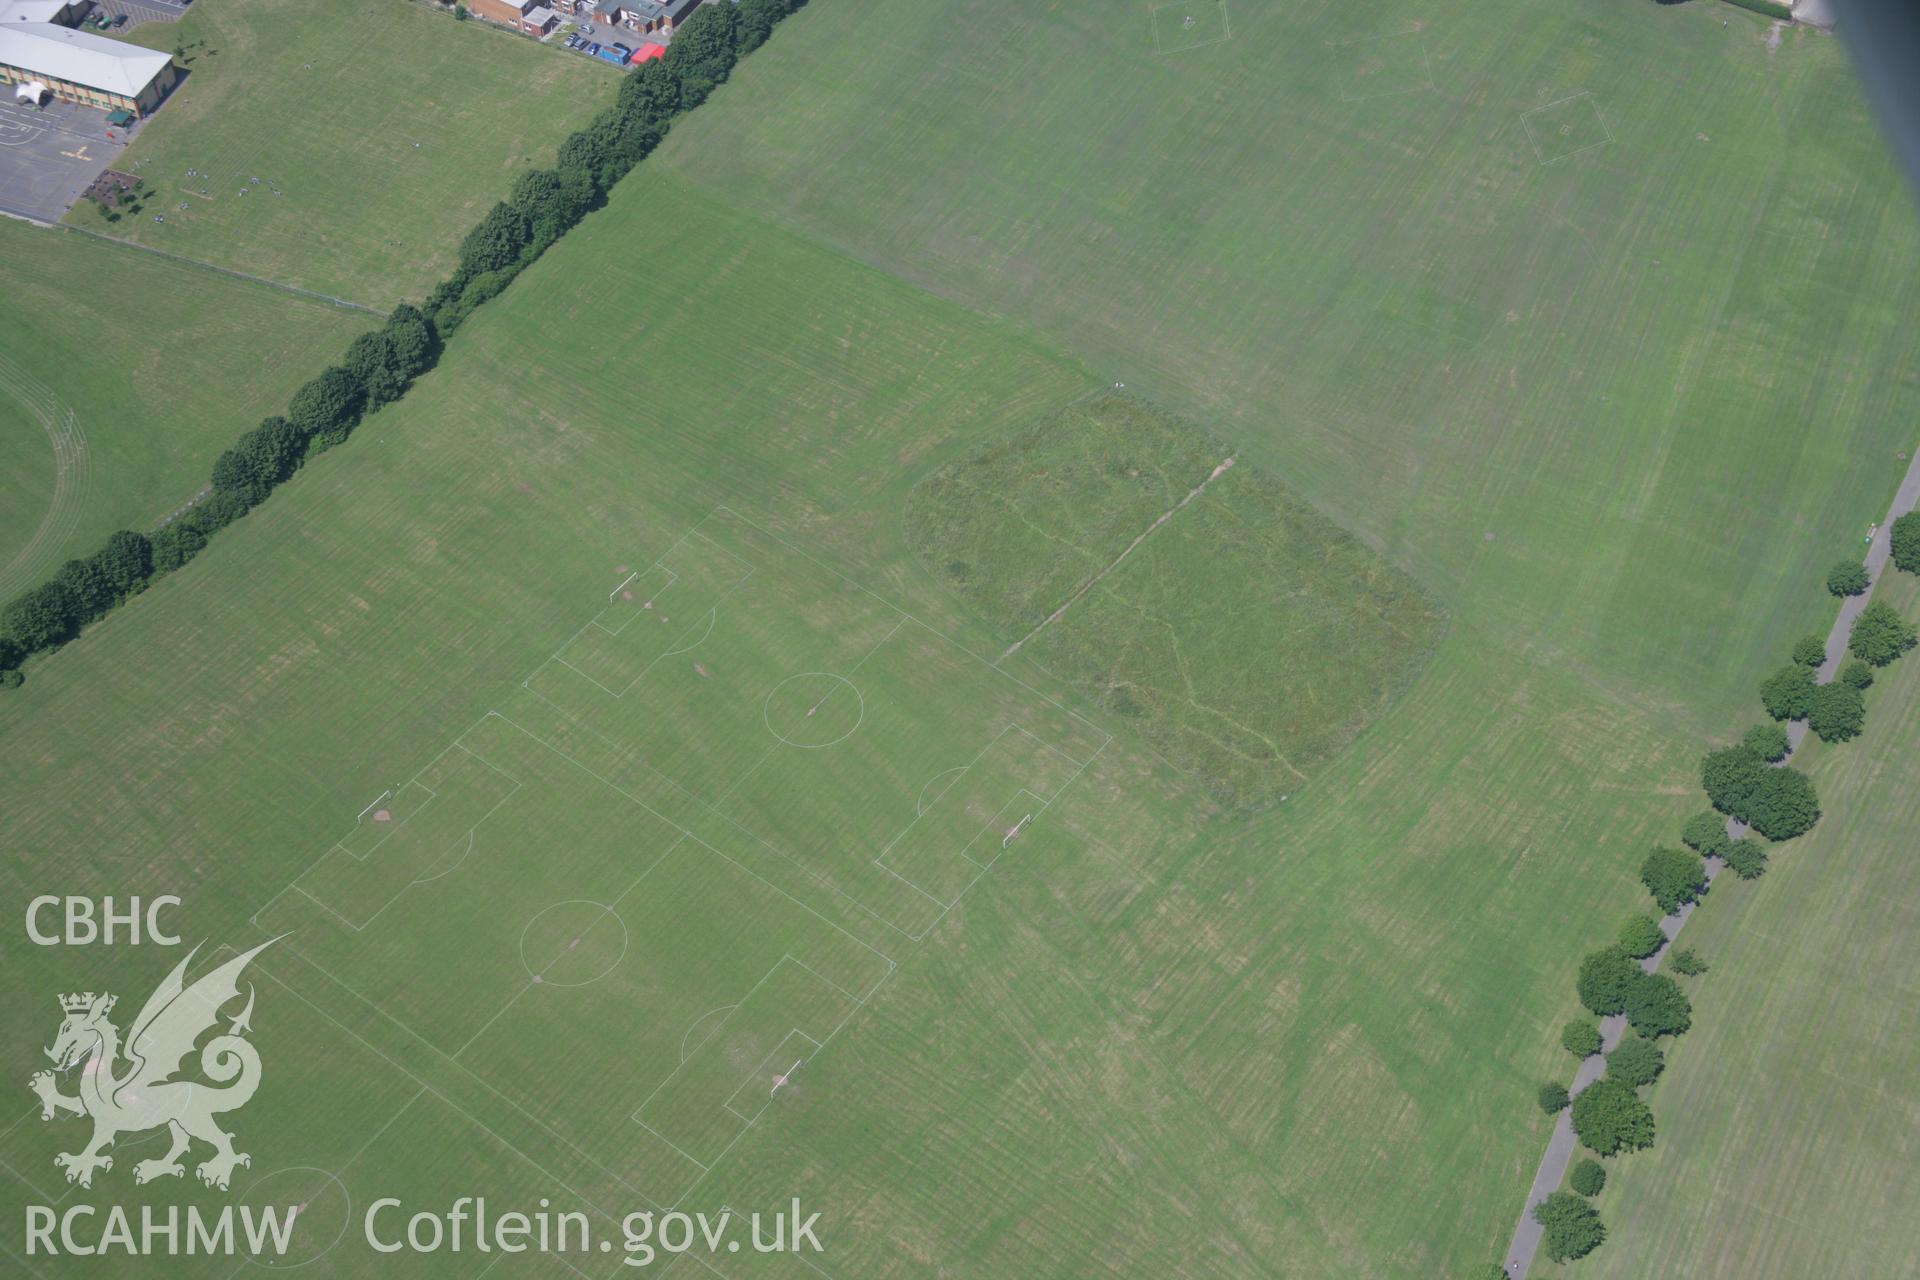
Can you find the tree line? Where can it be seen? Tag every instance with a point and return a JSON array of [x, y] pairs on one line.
[[380, 365], [1747, 782]]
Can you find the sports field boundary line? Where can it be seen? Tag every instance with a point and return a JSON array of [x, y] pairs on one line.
[[481, 1081], [311, 294], [963, 771], [758, 983], [483, 1126], [1561, 102], [1418, 33], [823, 880], [815, 876], [334, 1175], [854, 1004], [810, 558], [774, 1054], [673, 580], [401, 892], [695, 837], [857, 1004], [388, 834], [611, 908]]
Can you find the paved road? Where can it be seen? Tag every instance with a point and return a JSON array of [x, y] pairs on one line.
[[1560, 1147]]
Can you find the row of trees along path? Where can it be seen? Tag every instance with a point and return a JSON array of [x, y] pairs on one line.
[[1561, 1146]]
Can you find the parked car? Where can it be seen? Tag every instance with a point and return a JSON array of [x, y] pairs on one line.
[[593, 49]]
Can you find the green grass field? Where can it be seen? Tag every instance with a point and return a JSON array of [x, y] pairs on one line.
[[142, 370], [379, 132], [1483, 363], [1242, 635], [632, 650]]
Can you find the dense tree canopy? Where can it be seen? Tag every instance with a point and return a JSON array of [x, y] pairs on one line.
[[89, 586], [1656, 1006], [496, 241], [1553, 1097], [651, 93], [1569, 1226], [1609, 1117], [1674, 876], [702, 53], [1746, 857], [1636, 1062], [1768, 741], [1856, 673], [1839, 712], [1580, 1038], [176, 544], [1640, 936], [1847, 578], [327, 407], [1788, 692], [1687, 962], [1706, 833], [1588, 1177], [41, 617], [127, 560], [1810, 651], [1730, 776], [1783, 804], [1906, 542], [1880, 635], [1606, 977]]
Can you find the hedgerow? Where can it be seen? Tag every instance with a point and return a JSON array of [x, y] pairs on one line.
[[380, 365]]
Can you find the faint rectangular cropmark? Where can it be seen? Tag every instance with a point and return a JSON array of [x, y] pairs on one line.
[[1383, 66], [1566, 127], [1179, 25]]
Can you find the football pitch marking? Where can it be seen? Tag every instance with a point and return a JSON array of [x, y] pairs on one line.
[[840, 682], [616, 599], [604, 911], [466, 839], [796, 1047], [1563, 107], [1393, 42], [1180, 25]]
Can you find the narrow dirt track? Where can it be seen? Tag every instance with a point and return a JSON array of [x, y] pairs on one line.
[[1094, 581]]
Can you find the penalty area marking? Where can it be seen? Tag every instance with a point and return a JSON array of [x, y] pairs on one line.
[[1366, 46], [1533, 135], [1184, 29]]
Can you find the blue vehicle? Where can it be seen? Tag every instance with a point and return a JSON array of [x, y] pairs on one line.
[[616, 54], [592, 48]]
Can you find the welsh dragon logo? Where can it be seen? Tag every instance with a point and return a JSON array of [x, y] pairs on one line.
[[143, 1093]]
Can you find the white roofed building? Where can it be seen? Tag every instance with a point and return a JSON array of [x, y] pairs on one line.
[[77, 65]]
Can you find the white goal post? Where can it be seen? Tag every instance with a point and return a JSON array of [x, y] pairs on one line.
[[1014, 834]]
